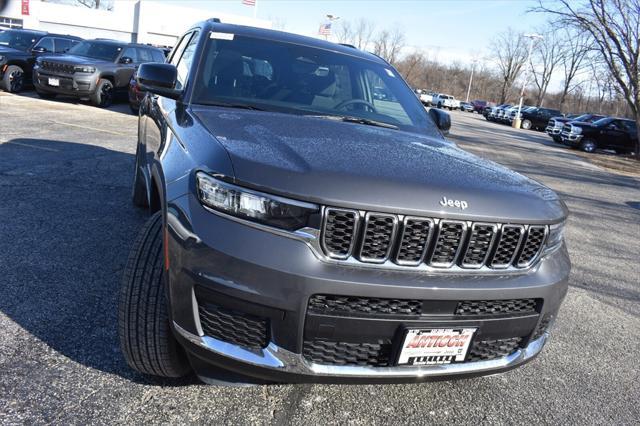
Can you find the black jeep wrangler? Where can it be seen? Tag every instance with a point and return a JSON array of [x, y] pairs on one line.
[[93, 70], [19, 50]]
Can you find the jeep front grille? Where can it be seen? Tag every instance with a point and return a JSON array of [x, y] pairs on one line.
[[382, 238], [57, 67]]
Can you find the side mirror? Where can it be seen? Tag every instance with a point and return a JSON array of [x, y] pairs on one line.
[[126, 60], [442, 120], [39, 49], [159, 79]]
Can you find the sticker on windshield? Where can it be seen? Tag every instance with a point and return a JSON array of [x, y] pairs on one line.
[[389, 72], [221, 36]]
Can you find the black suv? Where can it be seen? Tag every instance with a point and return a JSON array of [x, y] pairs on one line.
[[538, 118], [19, 50], [618, 134], [93, 69], [304, 228]]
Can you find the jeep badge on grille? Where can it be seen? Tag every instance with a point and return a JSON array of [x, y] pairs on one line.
[[460, 204]]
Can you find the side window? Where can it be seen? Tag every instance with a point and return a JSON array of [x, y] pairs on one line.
[[130, 52], [62, 45], [176, 54], [184, 63], [46, 43]]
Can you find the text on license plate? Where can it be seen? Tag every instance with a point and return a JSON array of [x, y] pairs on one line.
[[435, 346], [54, 82]]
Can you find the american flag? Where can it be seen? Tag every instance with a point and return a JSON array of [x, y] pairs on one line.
[[325, 29], [249, 2]]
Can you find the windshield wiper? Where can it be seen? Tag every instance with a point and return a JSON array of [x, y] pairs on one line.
[[358, 120], [234, 105]]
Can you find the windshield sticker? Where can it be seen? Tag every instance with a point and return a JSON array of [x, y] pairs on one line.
[[221, 36], [389, 72]]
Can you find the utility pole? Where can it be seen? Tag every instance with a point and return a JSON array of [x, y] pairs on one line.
[[473, 66], [532, 37]]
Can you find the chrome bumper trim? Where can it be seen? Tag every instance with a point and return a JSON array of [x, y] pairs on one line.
[[281, 360]]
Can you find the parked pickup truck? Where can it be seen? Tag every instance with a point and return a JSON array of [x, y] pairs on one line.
[[618, 134], [555, 125], [425, 97], [445, 101]]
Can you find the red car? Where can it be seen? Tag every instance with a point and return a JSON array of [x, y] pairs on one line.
[[479, 106]]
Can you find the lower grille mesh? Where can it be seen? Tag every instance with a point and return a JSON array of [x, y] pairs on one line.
[[342, 353], [357, 306], [482, 350], [496, 307], [233, 326]]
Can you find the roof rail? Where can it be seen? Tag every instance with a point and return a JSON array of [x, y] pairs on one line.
[[216, 20], [348, 45]]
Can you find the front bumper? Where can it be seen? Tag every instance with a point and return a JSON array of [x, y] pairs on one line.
[[78, 85], [267, 276], [570, 138]]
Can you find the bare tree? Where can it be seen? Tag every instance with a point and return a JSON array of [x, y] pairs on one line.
[[388, 44], [510, 54], [575, 49], [614, 27], [358, 35], [547, 55]]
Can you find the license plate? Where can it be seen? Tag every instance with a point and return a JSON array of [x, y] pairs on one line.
[[435, 346], [54, 82]]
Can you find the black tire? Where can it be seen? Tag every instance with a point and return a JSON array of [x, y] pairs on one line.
[[46, 95], [588, 145], [439, 105], [144, 326], [526, 124], [103, 95], [13, 80]]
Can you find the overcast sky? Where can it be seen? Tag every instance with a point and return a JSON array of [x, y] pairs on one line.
[[454, 29]]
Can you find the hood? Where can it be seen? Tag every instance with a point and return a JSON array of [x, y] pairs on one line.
[[73, 60], [580, 124], [371, 168]]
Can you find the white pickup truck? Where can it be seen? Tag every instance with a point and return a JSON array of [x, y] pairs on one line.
[[425, 97], [445, 101]]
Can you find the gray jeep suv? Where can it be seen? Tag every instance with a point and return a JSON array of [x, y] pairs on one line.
[[305, 229], [94, 70]]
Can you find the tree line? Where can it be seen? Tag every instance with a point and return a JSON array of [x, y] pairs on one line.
[[591, 47]]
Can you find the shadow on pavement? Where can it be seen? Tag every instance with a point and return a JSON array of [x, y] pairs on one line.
[[67, 224], [120, 102]]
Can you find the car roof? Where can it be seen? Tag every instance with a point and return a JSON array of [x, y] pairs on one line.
[[123, 43], [282, 36]]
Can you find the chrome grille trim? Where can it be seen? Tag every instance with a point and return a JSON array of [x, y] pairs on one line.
[[427, 241], [534, 259], [435, 249], [501, 241], [365, 231], [354, 235], [492, 243]]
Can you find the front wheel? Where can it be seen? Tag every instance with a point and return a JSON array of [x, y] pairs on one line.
[[103, 95], [13, 79], [144, 326], [588, 145], [526, 124]]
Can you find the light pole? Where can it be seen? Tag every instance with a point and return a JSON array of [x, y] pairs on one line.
[[532, 37], [473, 66]]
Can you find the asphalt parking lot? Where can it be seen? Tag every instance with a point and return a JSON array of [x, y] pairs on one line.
[[66, 225]]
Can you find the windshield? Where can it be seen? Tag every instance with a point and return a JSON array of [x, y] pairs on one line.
[[602, 121], [296, 79], [96, 50], [17, 39]]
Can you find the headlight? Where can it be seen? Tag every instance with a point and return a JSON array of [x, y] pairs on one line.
[[82, 68], [555, 238], [576, 130], [252, 205], [1, 58]]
